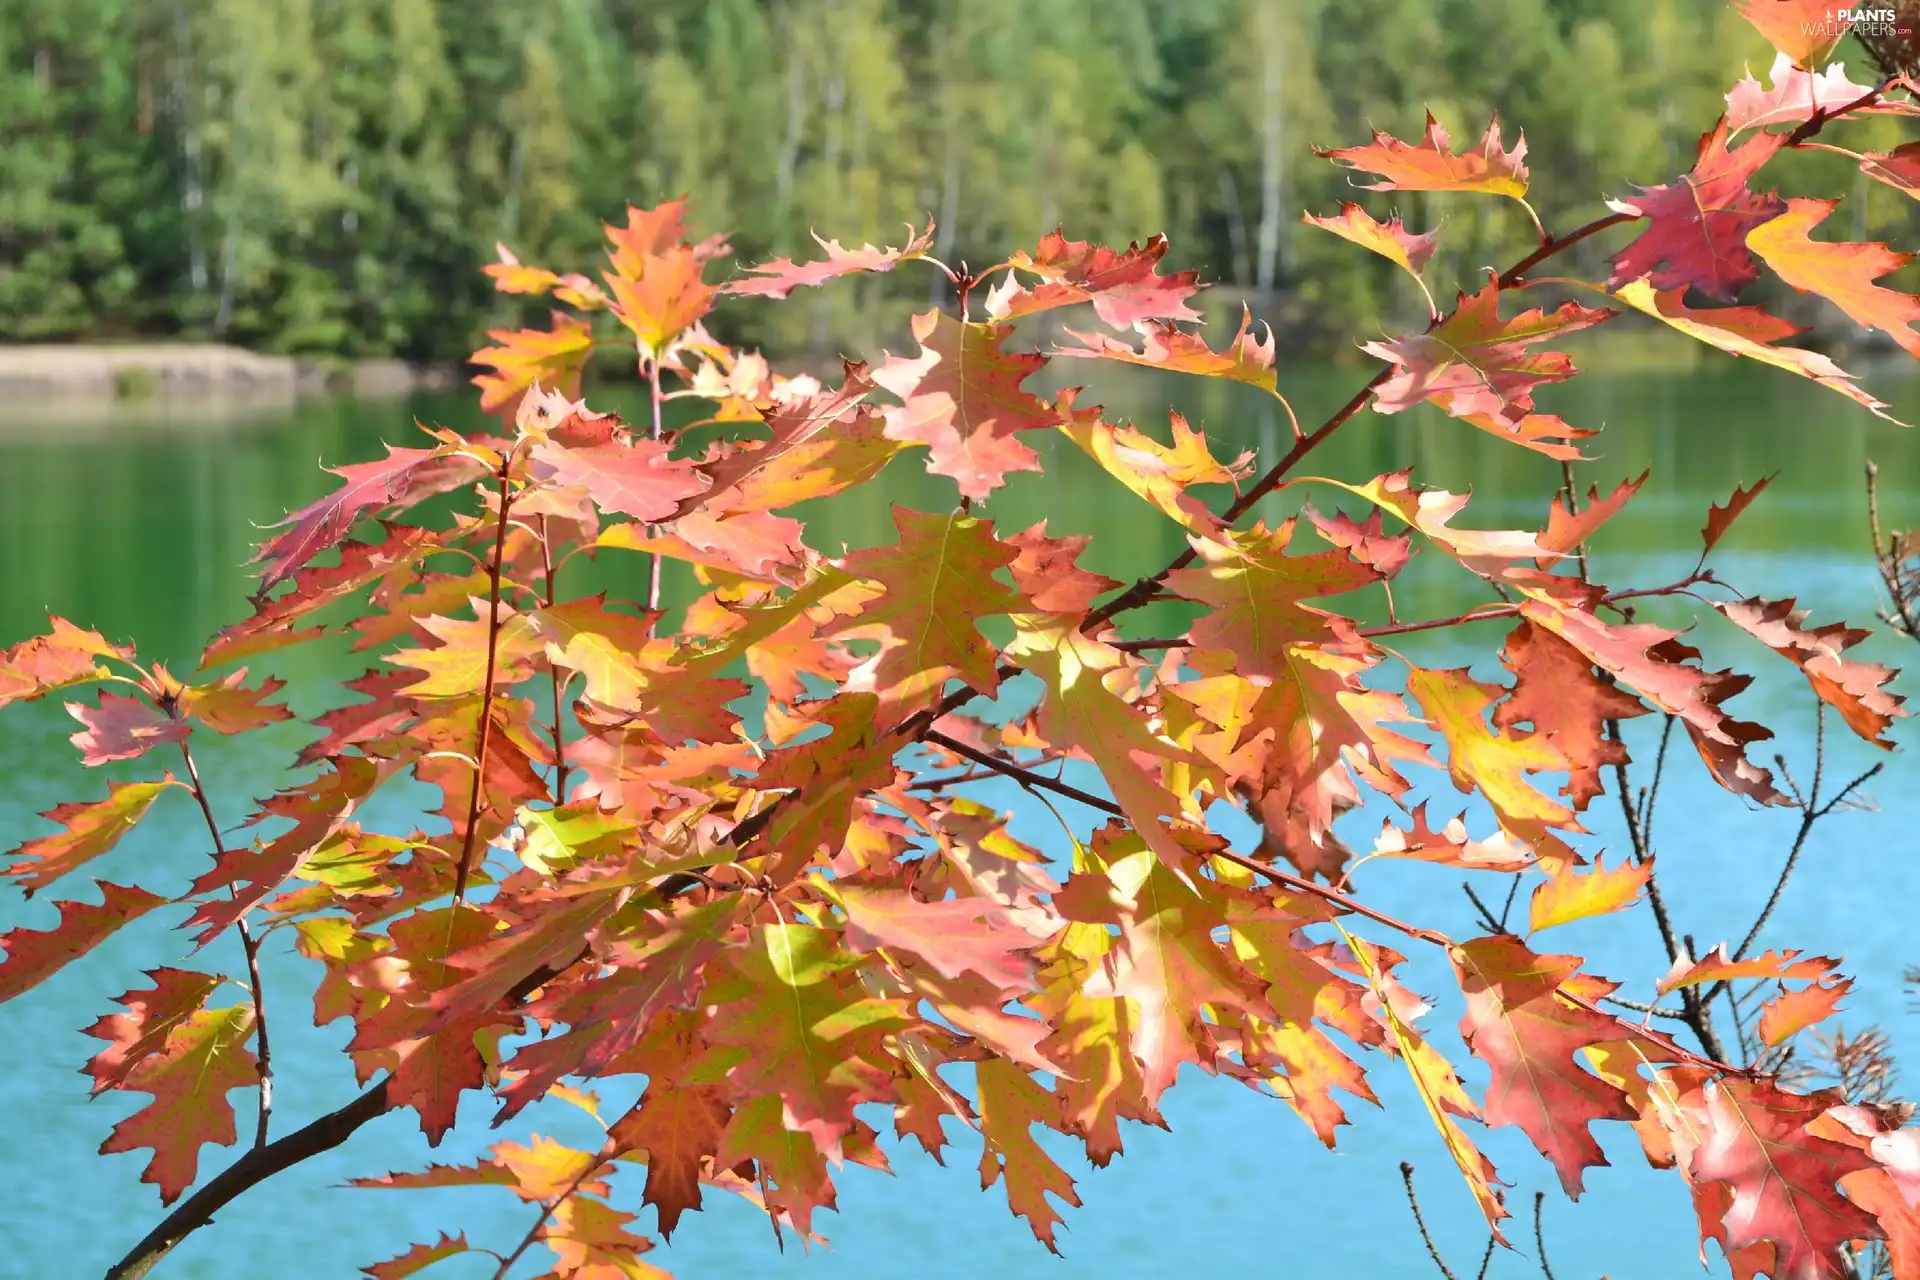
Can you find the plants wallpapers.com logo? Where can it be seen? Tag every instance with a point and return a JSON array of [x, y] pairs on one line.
[[1867, 22]]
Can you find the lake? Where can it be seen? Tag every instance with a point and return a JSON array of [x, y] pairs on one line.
[[140, 530]]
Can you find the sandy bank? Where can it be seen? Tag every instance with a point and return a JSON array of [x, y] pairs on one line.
[[194, 370]]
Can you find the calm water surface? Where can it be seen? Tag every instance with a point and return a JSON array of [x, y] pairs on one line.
[[140, 530]]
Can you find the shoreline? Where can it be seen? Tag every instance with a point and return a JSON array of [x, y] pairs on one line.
[[83, 374]]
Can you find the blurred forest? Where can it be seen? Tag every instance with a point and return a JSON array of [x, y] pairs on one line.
[[327, 176]]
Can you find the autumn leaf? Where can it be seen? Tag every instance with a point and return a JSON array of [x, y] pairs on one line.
[[152, 1014], [524, 358], [1698, 223], [1487, 763], [1558, 693], [954, 935], [1855, 689], [634, 477], [1124, 285], [676, 1125], [1571, 894], [401, 479], [1795, 95], [226, 705], [1159, 473], [121, 728], [1245, 358], [86, 832], [1523, 1026], [615, 652], [1781, 1176], [782, 276], [938, 582], [962, 397], [590, 1241], [1899, 168], [1748, 332], [1047, 571], [1390, 239], [419, 1257], [67, 655], [1791, 1012], [1716, 966], [1802, 30], [1257, 593], [1720, 518], [1432, 166], [205, 1057], [1843, 274], [1473, 362], [33, 955], [1010, 1105]]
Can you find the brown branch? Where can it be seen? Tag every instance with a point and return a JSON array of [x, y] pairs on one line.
[[1433, 1250], [263, 1063], [486, 694], [1513, 275], [547, 1210], [559, 685], [1020, 773], [1539, 1235]]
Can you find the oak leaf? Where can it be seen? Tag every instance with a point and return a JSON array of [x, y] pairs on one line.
[[1791, 1012], [419, 1257], [1257, 594], [1557, 692], [1569, 894], [1898, 168], [1697, 234], [1804, 31], [780, 277], [1159, 473], [227, 706], [1843, 274], [87, 830], [122, 728], [1432, 166], [143, 1031], [1124, 285], [205, 1056], [1390, 239], [1165, 346], [67, 655], [1796, 95], [1855, 689], [1717, 966], [633, 477], [590, 1241], [954, 935], [33, 955], [962, 397], [1720, 518], [1010, 1105]]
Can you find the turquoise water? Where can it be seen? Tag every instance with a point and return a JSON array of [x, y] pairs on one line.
[[141, 530]]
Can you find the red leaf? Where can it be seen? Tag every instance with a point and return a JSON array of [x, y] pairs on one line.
[[1796, 95], [1431, 166], [782, 276], [961, 397], [1855, 689], [1716, 966], [402, 478], [1791, 1012], [137, 1035], [87, 831], [33, 955], [1843, 274], [420, 1256], [1244, 359], [1898, 168], [1700, 221], [1557, 691], [205, 1057], [65, 656], [121, 729], [1124, 286], [1721, 518], [1391, 240], [954, 935], [632, 477]]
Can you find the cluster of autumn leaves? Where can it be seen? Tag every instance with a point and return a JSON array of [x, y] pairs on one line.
[[779, 917]]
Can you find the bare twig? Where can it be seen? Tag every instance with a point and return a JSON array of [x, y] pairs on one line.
[[1539, 1235], [1486, 915], [1433, 1250], [1640, 1007], [1020, 773]]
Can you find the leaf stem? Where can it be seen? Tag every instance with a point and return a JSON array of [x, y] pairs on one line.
[[559, 685], [474, 796]]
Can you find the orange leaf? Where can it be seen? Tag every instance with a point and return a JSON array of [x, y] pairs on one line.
[[1716, 966], [1391, 240], [1245, 358], [1010, 1104], [1721, 518], [1699, 222], [782, 276], [1573, 895], [33, 955], [153, 1013], [205, 1056], [1791, 1012], [418, 1258], [1855, 689], [1843, 274], [1804, 31], [1431, 166], [86, 832], [552, 358], [1125, 287]]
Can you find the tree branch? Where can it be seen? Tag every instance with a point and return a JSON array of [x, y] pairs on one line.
[[1433, 1250]]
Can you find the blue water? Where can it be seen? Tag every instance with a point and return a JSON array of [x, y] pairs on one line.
[[141, 533]]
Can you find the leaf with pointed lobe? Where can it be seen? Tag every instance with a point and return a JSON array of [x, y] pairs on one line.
[[33, 955], [615, 652], [938, 583], [87, 830], [458, 665], [487, 1173], [1750, 332], [1010, 1104], [1569, 894], [1493, 764], [780, 277], [658, 293], [510, 275], [204, 1057], [653, 231], [1843, 274], [226, 705], [1367, 541], [1698, 223], [1795, 96], [590, 1241], [1520, 1022], [1257, 591], [1568, 527], [143, 1031], [526, 358], [954, 935], [1124, 285], [1165, 346], [1473, 362], [1791, 1012], [1720, 518], [546, 1169], [1804, 31], [401, 479], [66, 655], [1855, 689], [122, 728], [1047, 572], [1543, 433], [1432, 166], [1100, 1081], [1556, 691], [1781, 1177], [1898, 168], [419, 1257], [1156, 472], [1717, 966], [792, 1168], [962, 397], [676, 1126], [635, 477], [1391, 240], [794, 1023], [1450, 846]]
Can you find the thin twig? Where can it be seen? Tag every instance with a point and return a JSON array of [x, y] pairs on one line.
[[559, 685], [1433, 1250], [1659, 769], [1486, 915], [474, 796], [263, 1051], [1639, 1007], [547, 1211], [1539, 1235], [653, 569], [1020, 773]]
